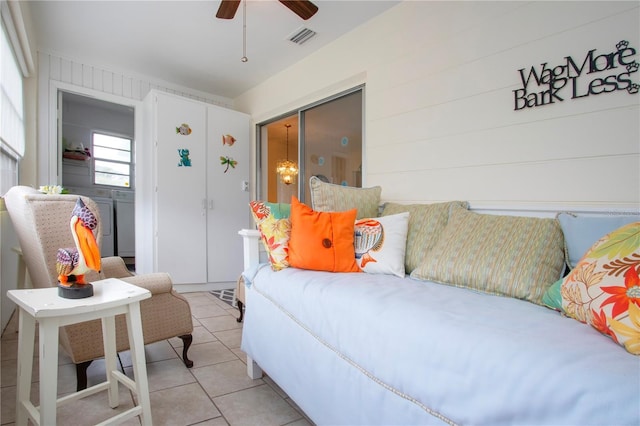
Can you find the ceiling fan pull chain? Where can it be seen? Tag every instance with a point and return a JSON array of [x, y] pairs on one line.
[[244, 32]]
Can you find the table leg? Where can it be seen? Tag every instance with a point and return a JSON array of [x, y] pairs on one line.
[[136, 343], [110, 354], [26, 343], [48, 370]]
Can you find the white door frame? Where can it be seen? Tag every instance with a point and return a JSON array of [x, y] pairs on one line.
[[55, 146]]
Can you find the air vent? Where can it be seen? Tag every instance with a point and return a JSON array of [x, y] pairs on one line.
[[301, 35]]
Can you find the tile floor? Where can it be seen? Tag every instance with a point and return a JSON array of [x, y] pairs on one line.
[[216, 391]]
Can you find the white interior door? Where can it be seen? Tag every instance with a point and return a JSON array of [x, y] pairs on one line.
[[228, 192], [181, 189]]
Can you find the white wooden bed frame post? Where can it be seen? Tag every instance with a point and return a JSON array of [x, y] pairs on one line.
[[251, 252]]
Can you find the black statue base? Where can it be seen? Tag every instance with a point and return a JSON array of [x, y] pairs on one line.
[[75, 291]]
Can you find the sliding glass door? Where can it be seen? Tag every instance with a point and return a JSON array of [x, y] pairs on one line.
[[323, 139]]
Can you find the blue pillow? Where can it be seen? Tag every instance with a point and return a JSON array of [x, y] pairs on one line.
[[581, 232]]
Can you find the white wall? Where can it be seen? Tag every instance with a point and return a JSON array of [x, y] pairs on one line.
[[439, 117], [55, 71]]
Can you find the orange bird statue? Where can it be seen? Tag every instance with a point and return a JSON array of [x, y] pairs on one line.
[[73, 263]]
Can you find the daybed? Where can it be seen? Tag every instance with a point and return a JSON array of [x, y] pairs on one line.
[[427, 348]]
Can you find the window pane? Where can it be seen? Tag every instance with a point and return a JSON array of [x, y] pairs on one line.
[[111, 142], [333, 142], [112, 180], [112, 160], [11, 102], [109, 167], [111, 154]]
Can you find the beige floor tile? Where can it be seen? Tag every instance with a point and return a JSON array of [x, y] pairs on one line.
[[181, 405], [10, 332], [220, 323], [207, 311], [166, 374], [230, 338], [93, 409], [210, 353], [260, 405], [8, 349], [218, 421], [8, 395], [197, 299], [200, 335], [268, 380], [224, 378], [159, 351], [302, 422], [240, 354], [9, 371]]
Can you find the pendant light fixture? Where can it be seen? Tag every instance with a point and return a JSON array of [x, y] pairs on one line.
[[288, 170]]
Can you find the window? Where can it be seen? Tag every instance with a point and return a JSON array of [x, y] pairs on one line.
[[12, 138], [111, 160], [324, 139]]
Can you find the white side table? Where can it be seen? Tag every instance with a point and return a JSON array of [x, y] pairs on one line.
[[111, 297]]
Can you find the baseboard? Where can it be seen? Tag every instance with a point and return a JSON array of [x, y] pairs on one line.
[[190, 288]]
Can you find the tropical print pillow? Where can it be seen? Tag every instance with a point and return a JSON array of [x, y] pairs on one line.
[[603, 290], [275, 229]]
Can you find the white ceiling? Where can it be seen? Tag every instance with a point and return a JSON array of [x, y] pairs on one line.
[[182, 42]]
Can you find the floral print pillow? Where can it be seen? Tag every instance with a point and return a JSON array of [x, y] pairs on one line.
[[275, 229], [603, 290]]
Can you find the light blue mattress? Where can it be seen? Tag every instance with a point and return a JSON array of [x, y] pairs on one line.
[[377, 349]]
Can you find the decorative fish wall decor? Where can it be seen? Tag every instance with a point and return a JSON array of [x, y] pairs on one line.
[[228, 140], [183, 130]]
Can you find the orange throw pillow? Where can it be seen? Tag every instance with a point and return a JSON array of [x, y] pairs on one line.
[[322, 241]]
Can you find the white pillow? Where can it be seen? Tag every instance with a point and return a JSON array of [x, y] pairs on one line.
[[380, 244]]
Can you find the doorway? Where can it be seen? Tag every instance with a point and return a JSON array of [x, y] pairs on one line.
[[97, 150]]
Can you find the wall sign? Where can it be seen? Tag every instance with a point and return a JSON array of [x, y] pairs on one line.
[[595, 74]]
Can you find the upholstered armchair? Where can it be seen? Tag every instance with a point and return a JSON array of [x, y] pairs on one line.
[[42, 225]]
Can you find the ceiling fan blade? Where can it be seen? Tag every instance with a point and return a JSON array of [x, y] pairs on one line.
[[303, 8], [227, 9]]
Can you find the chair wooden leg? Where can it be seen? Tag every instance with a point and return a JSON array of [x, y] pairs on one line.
[[186, 343], [241, 309], [81, 375]]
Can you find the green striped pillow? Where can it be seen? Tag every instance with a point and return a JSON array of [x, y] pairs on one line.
[[328, 197], [426, 223], [505, 255]]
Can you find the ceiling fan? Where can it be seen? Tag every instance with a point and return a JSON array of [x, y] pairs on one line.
[[303, 8]]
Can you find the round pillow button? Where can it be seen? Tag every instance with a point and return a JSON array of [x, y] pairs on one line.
[[326, 243]]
